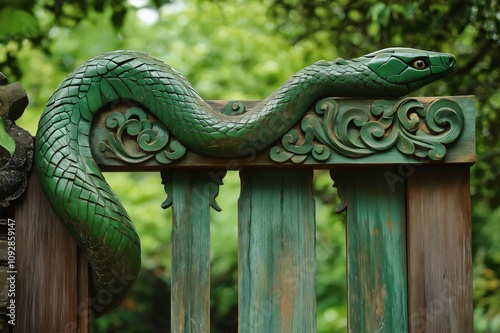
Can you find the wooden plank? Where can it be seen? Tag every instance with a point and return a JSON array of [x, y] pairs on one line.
[[462, 150], [84, 294], [276, 252], [439, 244], [376, 251], [190, 252], [47, 291]]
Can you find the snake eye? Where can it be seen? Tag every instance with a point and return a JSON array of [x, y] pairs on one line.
[[419, 64]]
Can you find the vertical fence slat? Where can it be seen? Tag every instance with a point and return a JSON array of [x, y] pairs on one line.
[[48, 296], [376, 250], [84, 294], [190, 252], [277, 252], [439, 244]]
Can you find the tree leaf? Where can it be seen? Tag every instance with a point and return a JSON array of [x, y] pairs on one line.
[[16, 22], [5, 140]]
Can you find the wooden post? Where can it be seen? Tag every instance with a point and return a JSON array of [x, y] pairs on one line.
[[439, 244], [277, 252], [376, 251], [191, 252], [52, 282]]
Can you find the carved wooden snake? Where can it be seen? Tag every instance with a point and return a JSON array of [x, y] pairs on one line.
[[88, 207]]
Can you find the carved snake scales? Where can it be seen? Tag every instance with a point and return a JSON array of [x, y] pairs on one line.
[[86, 204]]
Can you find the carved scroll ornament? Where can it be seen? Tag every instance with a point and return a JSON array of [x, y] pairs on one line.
[[413, 128]]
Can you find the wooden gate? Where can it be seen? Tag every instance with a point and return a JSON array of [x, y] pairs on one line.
[[408, 222], [400, 166]]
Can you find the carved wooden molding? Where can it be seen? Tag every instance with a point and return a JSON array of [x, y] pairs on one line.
[[414, 128], [152, 140], [337, 131]]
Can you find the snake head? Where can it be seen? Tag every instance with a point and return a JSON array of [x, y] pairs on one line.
[[410, 68]]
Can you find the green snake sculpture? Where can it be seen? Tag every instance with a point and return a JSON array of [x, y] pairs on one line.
[[88, 207]]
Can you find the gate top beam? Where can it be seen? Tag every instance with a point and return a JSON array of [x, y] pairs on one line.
[[333, 132]]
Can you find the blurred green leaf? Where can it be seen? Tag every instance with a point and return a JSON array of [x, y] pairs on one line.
[[17, 23], [6, 141]]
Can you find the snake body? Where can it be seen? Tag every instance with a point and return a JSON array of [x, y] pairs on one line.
[[88, 207]]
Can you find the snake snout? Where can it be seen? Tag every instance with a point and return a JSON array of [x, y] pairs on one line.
[[448, 61]]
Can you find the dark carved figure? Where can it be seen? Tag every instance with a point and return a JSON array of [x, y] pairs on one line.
[[14, 169]]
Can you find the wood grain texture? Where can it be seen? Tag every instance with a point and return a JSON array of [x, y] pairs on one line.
[[276, 252], [49, 297], [190, 252], [376, 251], [439, 244], [84, 294]]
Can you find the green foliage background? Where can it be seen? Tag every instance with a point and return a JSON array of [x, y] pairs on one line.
[[243, 50]]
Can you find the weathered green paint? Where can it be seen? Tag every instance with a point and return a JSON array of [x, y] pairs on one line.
[[376, 250], [191, 252], [276, 252]]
